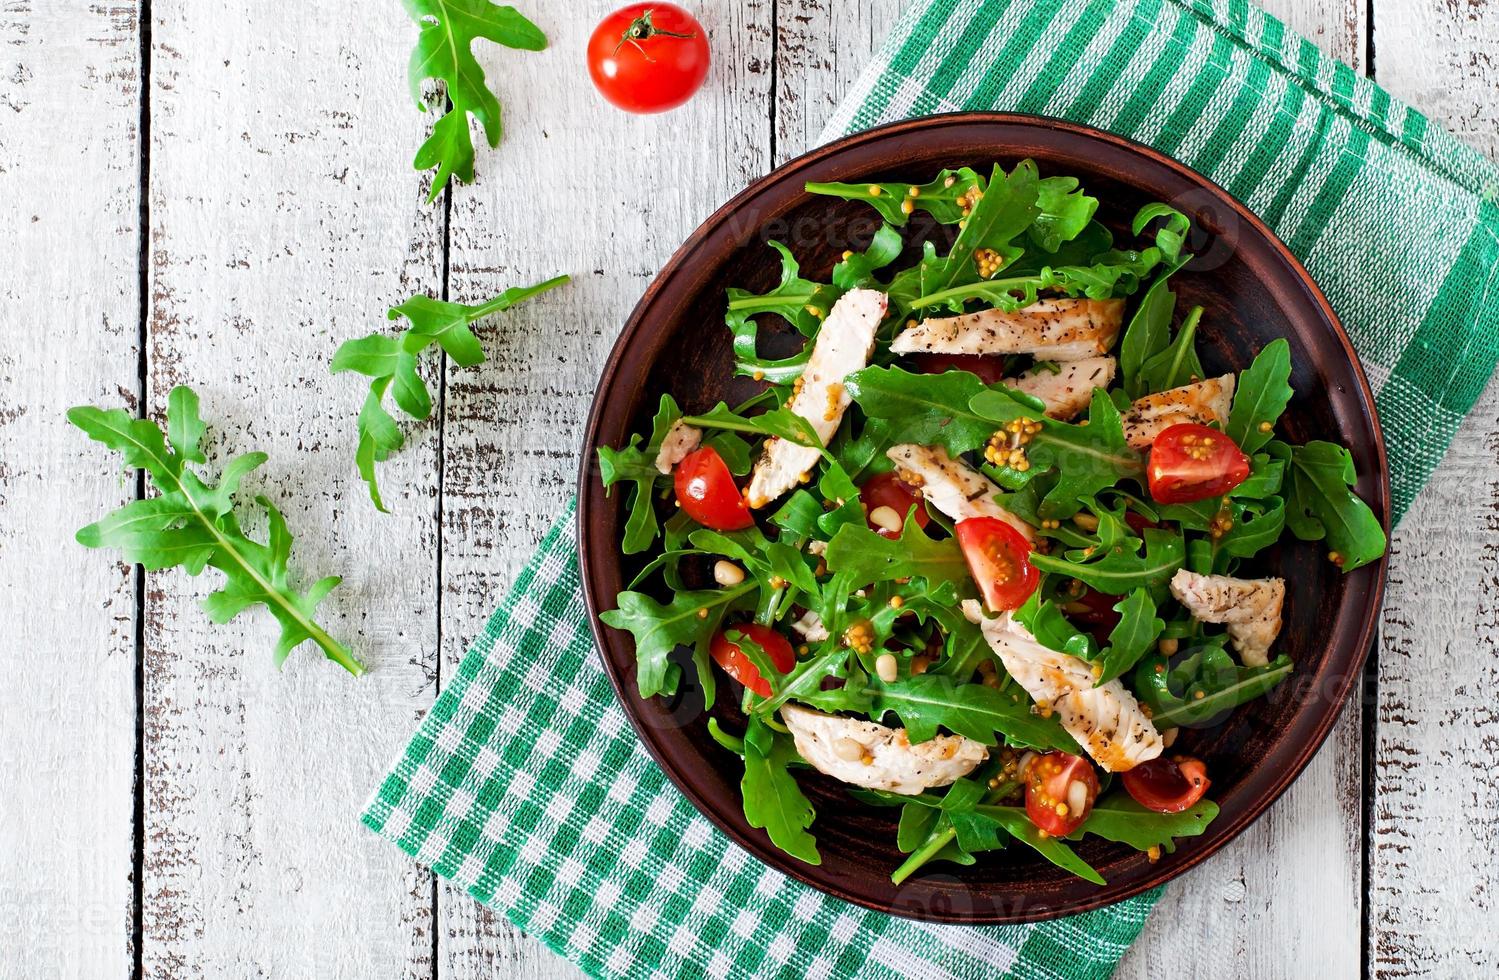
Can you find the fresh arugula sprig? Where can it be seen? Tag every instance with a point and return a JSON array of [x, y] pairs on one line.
[[801, 302], [1321, 505], [444, 53], [192, 524], [391, 364], [1202, 684], [773, 801]]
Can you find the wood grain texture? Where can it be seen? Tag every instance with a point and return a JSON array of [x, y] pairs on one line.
[[1433, 863], [618, 193], [284, 218], [69, 97]]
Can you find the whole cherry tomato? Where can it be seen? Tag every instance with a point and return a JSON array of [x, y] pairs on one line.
[[889, 490], [648, 57], [1167, 785], [1059, 792], [707, 492], [727, 655], [989, 368], [1193, 462], [999, 559]]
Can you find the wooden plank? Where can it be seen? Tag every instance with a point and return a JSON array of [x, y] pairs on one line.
[[1433, 862], [821, 49], [1216, 920], [284, 218], [69, 180], [583, 188]]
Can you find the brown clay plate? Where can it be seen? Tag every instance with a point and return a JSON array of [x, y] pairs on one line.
[[1253, 291]]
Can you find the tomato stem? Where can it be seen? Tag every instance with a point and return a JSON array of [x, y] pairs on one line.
[[642, 29]]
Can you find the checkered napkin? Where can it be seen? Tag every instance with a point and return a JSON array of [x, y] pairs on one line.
[[525, 784]]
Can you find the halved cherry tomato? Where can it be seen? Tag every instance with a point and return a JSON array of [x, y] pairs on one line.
[[648, 57], [889, 490], [727, 655], [1168, 785], [1192, 462], [988, 367], [999, 561], [1059, 792], [706, 491]]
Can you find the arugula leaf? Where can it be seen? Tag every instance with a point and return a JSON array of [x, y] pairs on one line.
[[1065, 211], [1119, 818], [1147, 334], [635, 465], [1123, 568], [1019, 826], [800, 302], [1005, 209], [773, 801], [1262, 394], [1256, 525], [1320, 504], [926, 701], [862, 556], [780, 422], [1267, 473], [1177, 364], [939, 198], [858, 268], [392, 361], [444, 53], [193, 525], [934, 409], [658, 629], [1045, 621], [1133, 637], [1086, 458], [1203, 685]]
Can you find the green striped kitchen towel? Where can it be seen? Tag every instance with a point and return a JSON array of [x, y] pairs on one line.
[[525, 785]]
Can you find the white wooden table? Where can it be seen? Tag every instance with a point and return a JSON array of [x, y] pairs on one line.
[[219, 193]]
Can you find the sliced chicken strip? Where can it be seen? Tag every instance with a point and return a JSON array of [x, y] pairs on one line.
[[1106, 720], [1052, 329], [951, 485], [810, 627], [1203, 402], [863, 753], [1249, 606], [841, 348], [681, 440], [1067, 386]]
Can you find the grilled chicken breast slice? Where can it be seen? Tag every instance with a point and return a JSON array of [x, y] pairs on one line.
[[1250, 607], [1106, 720], [1052, 329], [1066, 387], [1203, 402], [839, 746], [951, 485], [681, 440], [842, 347]]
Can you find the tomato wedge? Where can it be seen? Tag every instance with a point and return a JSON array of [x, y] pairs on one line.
[[707, 492], [989, 368], [1193, 462], [1059, 792], [727, 655], [889, 490], [1168, 785], [999, 559]]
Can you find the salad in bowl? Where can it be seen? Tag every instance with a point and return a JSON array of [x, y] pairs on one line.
[[989, 541]]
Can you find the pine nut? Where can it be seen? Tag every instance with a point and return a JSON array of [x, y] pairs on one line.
[[726, 573], [1085, 521], [886, 519], [848, 750], [887, 668]]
